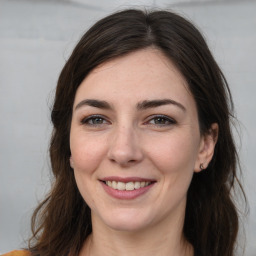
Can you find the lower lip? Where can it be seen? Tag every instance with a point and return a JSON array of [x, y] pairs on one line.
[[126, 194]]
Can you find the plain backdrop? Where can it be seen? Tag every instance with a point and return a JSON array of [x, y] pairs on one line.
[[36, 38]]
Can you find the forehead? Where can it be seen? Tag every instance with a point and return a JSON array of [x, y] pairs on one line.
[[140, 75]]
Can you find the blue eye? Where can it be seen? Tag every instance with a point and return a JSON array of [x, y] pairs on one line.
[[161, 120], [94, 120]]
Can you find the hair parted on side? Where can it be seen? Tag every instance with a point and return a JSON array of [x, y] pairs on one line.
[[62, 222]]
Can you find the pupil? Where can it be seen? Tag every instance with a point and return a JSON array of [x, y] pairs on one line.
[[98, 120], [160, 120]]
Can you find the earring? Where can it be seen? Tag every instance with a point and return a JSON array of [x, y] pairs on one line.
[[201, 167]]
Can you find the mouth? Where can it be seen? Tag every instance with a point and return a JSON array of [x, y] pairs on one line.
[[127, 186]]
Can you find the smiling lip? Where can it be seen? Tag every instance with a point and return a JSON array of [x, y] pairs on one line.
[[126, 179], [126, 188]]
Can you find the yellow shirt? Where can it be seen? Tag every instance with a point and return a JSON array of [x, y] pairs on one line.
[[17, 253]]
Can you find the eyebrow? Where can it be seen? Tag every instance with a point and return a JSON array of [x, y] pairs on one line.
[[157, 103], [146, 104], [94, 103]]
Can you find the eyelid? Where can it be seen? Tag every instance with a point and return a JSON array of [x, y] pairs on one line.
[[84, 120], [167, 118], [170, 121]]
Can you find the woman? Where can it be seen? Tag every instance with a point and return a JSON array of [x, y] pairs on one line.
[[142, 150]]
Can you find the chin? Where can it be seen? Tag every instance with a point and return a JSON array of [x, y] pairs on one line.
[[127, 220], [126, 226]]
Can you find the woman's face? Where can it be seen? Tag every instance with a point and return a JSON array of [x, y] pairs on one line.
[[135, 141]]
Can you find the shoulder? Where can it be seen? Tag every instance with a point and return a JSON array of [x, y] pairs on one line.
[[17, 253]]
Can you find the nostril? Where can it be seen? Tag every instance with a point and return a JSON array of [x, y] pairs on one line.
[[124, 151], [123, 162]]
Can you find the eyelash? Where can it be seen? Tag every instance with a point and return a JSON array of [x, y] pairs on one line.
[[170, 121], [92, 118], [167, 120]]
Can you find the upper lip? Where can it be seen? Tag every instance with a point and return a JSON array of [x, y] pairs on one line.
[[126, 179]]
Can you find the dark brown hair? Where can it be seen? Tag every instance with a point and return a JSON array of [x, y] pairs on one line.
[[62, 221]]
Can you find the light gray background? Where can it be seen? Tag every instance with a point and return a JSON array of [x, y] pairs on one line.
[[36, 38]]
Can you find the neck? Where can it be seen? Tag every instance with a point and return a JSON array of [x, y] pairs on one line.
[[159, 240]]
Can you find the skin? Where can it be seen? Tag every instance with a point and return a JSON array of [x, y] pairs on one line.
[[127, 141]]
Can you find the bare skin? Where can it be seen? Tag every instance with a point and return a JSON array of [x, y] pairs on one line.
[[134, 120], [144, 243]]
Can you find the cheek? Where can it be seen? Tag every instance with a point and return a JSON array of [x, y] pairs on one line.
[[86, 153], [176, 154], [85, 187], [174, 158]]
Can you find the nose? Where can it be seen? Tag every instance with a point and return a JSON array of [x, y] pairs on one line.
[[124, 147]]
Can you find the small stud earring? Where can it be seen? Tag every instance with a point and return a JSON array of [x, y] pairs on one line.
[[201, 167]]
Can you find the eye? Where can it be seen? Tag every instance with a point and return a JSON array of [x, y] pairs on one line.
[[94, 120], [161, 120]]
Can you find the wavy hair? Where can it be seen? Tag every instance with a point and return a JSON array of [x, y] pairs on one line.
[[61, 223]]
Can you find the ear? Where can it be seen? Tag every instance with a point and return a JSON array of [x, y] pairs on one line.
[[206, 148], [71, 162]]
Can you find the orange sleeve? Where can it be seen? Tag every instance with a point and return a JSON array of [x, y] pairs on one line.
[[17, 253]]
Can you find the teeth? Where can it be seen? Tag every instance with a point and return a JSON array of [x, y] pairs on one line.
[[120, 185], [137, 185], [127, 186], [114, 184]]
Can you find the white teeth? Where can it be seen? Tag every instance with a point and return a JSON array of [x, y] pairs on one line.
[[137, 185], [127, 186], [114, 184], [120, 185]]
